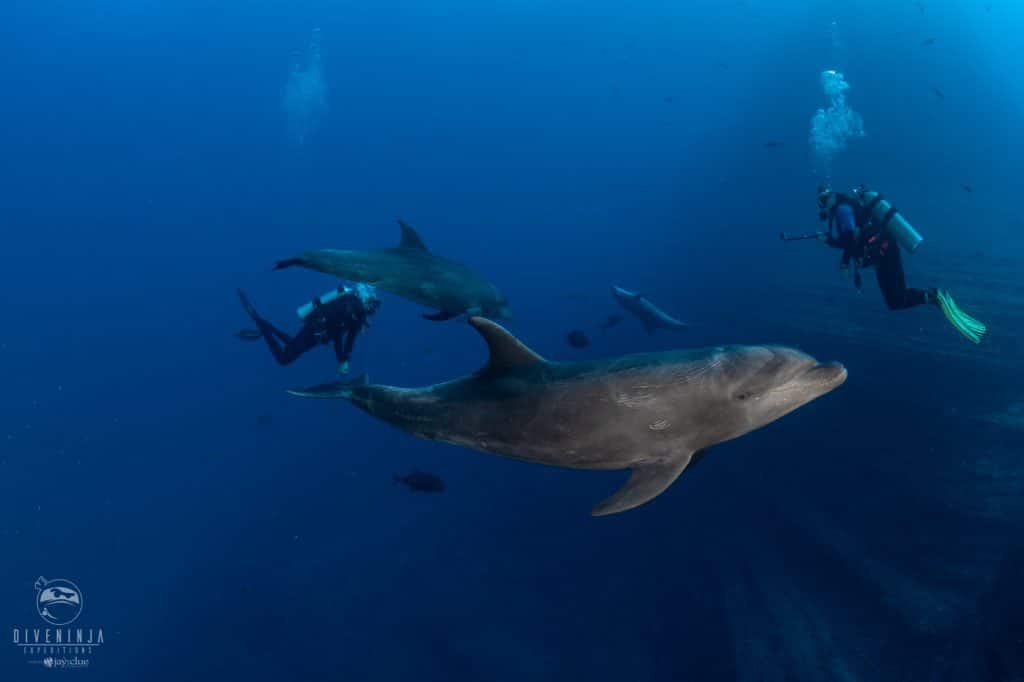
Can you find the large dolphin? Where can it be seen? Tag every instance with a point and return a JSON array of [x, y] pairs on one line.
[[653, 413], [649, 314], [411, 271]]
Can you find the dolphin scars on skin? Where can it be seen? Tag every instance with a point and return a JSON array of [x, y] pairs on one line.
[[652, 413]]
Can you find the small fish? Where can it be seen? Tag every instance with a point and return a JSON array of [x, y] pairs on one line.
[[929, 41], [721, 65], [920, 6], [669, 99], [264, 419], [577, 339], [967, 188], [939, 93], [249, 334], [772, 144], [613, 320], [420, 482]]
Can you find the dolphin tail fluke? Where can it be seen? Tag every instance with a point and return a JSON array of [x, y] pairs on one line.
[[332, 391], [648, 480], [289, 263]]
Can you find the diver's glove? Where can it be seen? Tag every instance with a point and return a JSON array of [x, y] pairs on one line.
[[343, 368]]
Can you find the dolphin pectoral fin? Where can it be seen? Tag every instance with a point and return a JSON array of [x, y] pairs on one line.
[[648, 480], [334, 390], [439, 316], [410, 238], [697, 456], [650, 327]]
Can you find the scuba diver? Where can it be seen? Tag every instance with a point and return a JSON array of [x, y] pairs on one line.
[[870, 232], [336, 317]]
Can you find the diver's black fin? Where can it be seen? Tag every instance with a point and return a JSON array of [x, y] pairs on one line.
[[439, 316], [337, 389], [648, 480], [250, 309], [506, 350], [410, 238]]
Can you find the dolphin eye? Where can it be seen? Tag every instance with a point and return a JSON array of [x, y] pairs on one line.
[[742, 396]]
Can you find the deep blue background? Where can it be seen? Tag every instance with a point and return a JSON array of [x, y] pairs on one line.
[[145, 174]]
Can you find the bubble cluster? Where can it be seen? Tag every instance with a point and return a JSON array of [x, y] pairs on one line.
[[305, 95], [832, 128]]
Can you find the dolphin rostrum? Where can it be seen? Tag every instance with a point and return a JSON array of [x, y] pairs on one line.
[[652, 413], [411, 271], [649, 314]]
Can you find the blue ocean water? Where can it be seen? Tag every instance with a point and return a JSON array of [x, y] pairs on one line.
[[158, 155]]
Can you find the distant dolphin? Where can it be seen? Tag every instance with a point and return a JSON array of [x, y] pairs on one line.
[[652, 413], [409, 270], [649, 314]]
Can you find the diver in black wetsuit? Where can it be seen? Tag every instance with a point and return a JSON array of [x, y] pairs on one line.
[[868, 238], [337, 318], [866, 245]]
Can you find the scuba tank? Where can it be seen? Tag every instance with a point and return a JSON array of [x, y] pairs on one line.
[[305, 309], [889, 218]]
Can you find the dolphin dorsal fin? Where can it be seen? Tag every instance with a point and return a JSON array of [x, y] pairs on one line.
[[507, 352], [410, 238]]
